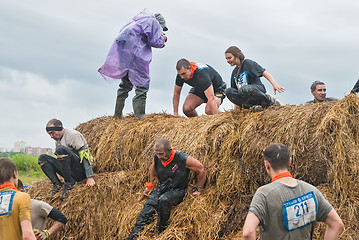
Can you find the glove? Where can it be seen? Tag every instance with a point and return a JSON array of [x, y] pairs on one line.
[[41, 235], [85, 154]]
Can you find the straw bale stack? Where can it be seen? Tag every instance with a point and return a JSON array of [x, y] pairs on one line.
[[323, 139]]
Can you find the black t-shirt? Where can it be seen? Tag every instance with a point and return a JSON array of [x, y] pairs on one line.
[[203, 77], [175, 175], [250, 73], [356, 87]]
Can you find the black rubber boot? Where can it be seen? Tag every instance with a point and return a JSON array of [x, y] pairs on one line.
[[139, 102], [120, 102], [122, 93]]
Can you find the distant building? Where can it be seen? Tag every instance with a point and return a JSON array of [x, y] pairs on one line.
[[19, 146], [37, 150], [6, 149]]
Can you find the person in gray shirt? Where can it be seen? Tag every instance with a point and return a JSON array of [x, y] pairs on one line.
[[72, 162], [288, 208]]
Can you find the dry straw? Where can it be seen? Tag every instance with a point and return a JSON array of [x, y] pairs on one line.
[[323, 139]]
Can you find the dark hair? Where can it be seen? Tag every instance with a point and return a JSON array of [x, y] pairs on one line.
[[314, 85], [236, 52], [55, 122], [7, 169], [278, 155], [163, 142], [182, 63]]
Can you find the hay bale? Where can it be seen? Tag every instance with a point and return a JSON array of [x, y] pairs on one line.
[[323, 139]]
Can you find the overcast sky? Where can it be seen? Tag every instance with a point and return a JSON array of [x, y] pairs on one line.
[[51, 50]]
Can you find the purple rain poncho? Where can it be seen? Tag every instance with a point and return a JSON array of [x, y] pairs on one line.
[[131, 52]]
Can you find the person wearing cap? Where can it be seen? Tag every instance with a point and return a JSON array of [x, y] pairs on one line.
[[15, 206], [319, 92], [172, 168], [40, 211], [129, 59], [73, 160], [288, 208], [207, 87], [247, 90]]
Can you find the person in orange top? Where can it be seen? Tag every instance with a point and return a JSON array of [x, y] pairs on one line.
[[172, 168], [15, 206]]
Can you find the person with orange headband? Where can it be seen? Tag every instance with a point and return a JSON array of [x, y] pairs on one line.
[[172, 168], [15, 206], [207, 87], [288, 208]]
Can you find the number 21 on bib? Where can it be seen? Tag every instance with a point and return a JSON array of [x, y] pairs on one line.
[[300, 211]]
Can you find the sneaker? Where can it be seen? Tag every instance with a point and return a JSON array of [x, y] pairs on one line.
[[256, 108], [55, 189], [66, 190], [273, 101]]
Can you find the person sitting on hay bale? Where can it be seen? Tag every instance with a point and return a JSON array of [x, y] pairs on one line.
[[207, 87], [15, 206], [73, 160], [319, 92], [172, 168], [355, 89], [40, 211], [288, 208], [246, 89]]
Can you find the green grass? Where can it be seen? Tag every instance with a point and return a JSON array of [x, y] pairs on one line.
[[29, 177]]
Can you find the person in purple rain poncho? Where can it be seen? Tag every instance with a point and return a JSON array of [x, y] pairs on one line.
[[129, 59]]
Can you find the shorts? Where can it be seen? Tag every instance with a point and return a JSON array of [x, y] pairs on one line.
[[220, 93]]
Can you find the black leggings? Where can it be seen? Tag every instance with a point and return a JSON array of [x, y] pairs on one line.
[[68, 167], [160, 203], [248, 96]]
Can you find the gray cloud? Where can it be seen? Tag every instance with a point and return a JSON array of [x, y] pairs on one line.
[[51, 50]]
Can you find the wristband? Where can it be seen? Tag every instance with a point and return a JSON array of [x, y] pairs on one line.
[[149, 185], [199, 189]]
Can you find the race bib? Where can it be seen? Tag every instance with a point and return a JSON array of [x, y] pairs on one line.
[[242, 80], [6, 200], [300, 211]]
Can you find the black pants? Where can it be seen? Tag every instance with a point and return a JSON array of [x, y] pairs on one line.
[[248, 96], [68, 167], [160, 203]]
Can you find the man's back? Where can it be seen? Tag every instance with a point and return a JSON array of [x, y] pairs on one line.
[[267, 205], [10, 227]]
